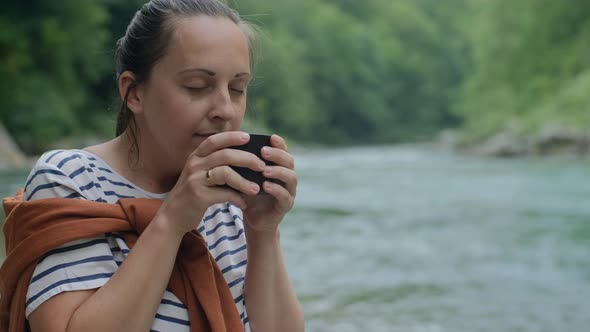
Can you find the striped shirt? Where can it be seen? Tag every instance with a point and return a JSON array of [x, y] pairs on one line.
[[89, 263]]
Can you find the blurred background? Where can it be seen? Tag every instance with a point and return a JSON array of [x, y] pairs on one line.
[[442, 147]]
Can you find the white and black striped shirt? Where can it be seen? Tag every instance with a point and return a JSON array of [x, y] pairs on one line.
[[89, 263]]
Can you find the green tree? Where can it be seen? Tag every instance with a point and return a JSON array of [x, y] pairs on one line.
[[332, 71], [374, 71], [528, 56], [51, 54]]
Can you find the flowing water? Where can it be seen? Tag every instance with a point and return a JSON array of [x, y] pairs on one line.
[[406, 239]]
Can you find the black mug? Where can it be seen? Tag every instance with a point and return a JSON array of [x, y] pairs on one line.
[[254, 145]]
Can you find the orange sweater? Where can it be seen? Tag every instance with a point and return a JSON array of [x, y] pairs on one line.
[[33, 228]]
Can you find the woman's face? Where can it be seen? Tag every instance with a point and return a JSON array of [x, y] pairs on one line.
[[198, 88]]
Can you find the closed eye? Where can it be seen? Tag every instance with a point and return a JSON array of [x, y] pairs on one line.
[[196, 88], [237, 91]]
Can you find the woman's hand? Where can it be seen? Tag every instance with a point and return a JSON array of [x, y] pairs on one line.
[[206, 169], [264, 213]]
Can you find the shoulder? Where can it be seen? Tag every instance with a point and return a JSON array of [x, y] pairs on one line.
[[58, 173], [64, 160]]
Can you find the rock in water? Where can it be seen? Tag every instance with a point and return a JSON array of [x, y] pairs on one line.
[[10, 155]]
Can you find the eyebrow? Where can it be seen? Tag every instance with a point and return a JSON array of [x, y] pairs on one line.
[[211, 73]]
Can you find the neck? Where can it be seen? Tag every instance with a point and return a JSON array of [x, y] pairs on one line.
[[145, 167]]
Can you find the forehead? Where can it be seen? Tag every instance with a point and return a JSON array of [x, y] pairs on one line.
[[214, 42]]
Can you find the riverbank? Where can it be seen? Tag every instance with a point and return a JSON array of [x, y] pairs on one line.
[[10, 155], [550, 141]]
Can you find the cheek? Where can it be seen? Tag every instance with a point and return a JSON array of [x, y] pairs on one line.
[[237, 120], [170, 106], [159, 99], [167, 116]]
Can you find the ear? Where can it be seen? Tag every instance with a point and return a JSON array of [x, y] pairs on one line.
[[128, 86]]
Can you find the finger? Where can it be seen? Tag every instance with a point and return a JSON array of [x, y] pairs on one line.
[[221, 141], [285, 175], [278, 142], [278, 156], [225, 175], [235, 157], [283, 197]]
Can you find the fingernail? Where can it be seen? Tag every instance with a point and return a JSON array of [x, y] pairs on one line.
[[254, 188], [245, 137]]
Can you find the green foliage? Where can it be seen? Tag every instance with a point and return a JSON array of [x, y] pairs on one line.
[[332, 71], [354, 72], [531, 67], [52, 53]]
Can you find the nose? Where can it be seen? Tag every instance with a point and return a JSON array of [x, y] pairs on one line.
[[222, 108]]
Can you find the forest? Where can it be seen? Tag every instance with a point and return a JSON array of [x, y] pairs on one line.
[[329, 72]]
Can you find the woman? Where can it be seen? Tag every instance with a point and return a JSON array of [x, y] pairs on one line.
[[183, 72]]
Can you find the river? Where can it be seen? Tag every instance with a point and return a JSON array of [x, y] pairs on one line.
[[407, 239]]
